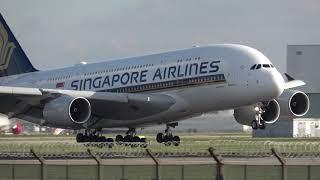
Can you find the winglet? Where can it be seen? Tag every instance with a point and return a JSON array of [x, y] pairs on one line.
[[292, 83], [289, 77]]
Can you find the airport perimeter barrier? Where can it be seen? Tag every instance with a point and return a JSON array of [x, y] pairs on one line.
[[224, 160]]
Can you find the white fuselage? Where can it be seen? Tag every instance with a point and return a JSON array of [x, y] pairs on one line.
[[201, 79]]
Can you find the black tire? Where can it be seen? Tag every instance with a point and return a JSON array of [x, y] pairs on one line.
[[160, 137], [92, 138], [254, 124], [127, 138], [262, 126], [110, 140], [176, 138], [86, 138], [136, 139], [102, 139], [167, 138], [119, 138], [79, 137]]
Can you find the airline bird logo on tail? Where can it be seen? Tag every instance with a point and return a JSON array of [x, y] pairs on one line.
[[6, 48]]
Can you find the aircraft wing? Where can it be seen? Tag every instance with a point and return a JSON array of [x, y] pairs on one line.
[[292, 83], [110, 105]]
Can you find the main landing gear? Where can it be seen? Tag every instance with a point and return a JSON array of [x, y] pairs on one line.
[[258, 123], [92, 136], [131, 139], [95, 136], [167, 137]]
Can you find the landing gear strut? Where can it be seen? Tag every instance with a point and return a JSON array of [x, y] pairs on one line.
[[132, 139], [92, 136], [167, 137], [258, 123]]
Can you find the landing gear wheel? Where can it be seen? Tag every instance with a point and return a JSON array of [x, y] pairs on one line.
[[135, 140], [119, 138], [94, 138], [102, 139], [160, 137], [262, 126], [131, 139], [110, 140], [176, 140], [127, 138], [80, 137], [167, 138], [254, 124]]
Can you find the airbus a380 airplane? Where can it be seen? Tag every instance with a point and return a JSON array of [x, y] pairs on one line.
[[153, 89]]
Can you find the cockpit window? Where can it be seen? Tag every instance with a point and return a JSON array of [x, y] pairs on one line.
[[266, 65], [258, 66], [253, 67]]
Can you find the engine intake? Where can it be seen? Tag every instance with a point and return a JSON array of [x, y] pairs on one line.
[[67, 111], [80, 110], [294, 103], [271, 112], [245, 115]]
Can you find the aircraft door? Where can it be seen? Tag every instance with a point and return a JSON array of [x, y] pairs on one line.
[[252, 76]]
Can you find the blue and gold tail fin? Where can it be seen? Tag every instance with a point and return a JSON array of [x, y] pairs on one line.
[[13, 60]]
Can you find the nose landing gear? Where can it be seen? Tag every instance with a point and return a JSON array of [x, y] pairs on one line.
[[258, 123], [167, 137]]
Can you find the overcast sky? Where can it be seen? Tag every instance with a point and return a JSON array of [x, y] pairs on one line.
[[61, 33]]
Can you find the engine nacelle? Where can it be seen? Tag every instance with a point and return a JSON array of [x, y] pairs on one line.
[[67, 111], [245, 115], [293, 103]]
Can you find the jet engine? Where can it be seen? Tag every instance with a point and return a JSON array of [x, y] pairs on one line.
[[293, 103], [290, 103], [67, 111], [270, 114]]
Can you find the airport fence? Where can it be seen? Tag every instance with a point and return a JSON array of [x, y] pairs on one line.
[[221, 159]]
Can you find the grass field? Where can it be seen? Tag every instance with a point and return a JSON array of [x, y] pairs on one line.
[[226, 144]]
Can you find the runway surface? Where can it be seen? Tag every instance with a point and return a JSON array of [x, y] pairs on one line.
[[192, 145]]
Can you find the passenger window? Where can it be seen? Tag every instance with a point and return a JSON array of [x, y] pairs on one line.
[[253, 67], [258, 66]]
